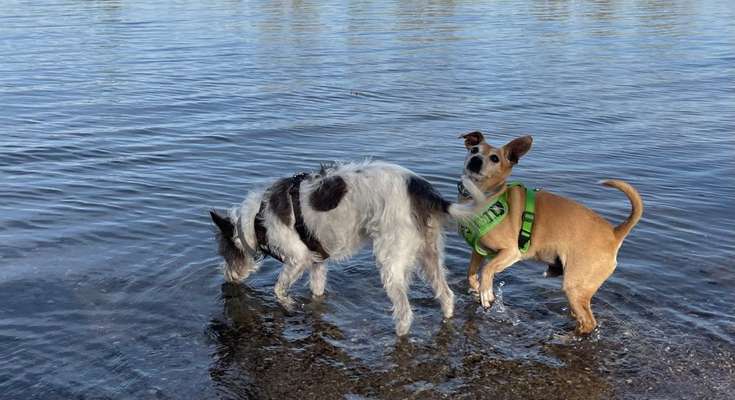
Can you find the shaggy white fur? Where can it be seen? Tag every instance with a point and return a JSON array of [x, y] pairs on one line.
[[381, 205]]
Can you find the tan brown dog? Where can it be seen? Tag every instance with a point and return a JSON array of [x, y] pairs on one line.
[[572, 239]]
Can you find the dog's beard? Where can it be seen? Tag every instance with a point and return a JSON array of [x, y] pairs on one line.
[[239, 266]]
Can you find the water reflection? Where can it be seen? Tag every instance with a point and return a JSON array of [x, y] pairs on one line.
[[254, 357]]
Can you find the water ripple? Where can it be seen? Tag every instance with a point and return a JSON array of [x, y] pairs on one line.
[[123, 123]]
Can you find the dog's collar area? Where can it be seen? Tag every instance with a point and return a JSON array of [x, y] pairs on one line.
[[241, 235], [463, 190], [465, 193]]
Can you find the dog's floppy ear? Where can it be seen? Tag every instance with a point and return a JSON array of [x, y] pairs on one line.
[[472, 138], [223, 223], [516, 148]]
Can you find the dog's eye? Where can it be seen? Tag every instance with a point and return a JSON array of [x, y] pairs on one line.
[[474, 150], [494, 158]]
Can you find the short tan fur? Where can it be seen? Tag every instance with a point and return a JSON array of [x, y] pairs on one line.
[[564, 232]]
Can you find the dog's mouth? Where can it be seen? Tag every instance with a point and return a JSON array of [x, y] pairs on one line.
[[474, 176]]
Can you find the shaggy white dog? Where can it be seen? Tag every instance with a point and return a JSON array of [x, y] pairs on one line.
[[310, 218]]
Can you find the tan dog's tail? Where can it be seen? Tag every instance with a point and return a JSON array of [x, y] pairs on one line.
[[622, 230]]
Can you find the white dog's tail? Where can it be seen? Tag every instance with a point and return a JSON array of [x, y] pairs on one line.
[[426, 201], [461, 212], [468, 210]]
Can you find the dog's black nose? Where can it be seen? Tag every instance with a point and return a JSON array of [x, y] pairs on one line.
[[475, 164]]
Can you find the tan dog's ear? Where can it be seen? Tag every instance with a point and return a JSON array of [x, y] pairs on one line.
[[472, 138], [516, 148]]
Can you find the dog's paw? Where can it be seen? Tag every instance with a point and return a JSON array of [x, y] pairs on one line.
[[447, 304], [448, 310], [487, 298], [287, 302], [402, 327], [584, 330]]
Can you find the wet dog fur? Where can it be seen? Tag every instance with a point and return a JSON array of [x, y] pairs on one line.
[[572, 239], [342, 208]]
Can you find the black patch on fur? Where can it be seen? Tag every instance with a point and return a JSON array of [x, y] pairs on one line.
[[555, 269], [425, 200], [279, 200], [329, 194], [227, 248]]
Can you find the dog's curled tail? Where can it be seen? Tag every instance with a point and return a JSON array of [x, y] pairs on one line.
[[622, 230]]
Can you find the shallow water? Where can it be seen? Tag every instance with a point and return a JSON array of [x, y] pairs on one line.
[[124, 122]]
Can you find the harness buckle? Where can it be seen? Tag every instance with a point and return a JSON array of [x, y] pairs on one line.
[[524, 236]]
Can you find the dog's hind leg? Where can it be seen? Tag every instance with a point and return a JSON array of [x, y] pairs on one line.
[[579, 302], [432, 261], [317, 279], [290, 273], [581, 281]]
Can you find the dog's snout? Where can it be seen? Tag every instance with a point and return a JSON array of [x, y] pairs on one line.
[[475, 164]]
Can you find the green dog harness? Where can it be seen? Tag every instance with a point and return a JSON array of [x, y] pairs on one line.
[[494, 213]]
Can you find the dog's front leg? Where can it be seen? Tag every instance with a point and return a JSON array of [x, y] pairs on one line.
[[472, 280], [504, 259], [290, 273], [317, 279]]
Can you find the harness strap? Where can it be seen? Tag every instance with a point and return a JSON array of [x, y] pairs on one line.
[[527, 219], [261, 232], [261, 235], [306, 236]]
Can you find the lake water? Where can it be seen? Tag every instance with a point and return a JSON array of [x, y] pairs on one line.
[[123, 122]]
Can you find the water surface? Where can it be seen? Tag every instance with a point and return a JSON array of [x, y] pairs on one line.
[[123, 122]]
